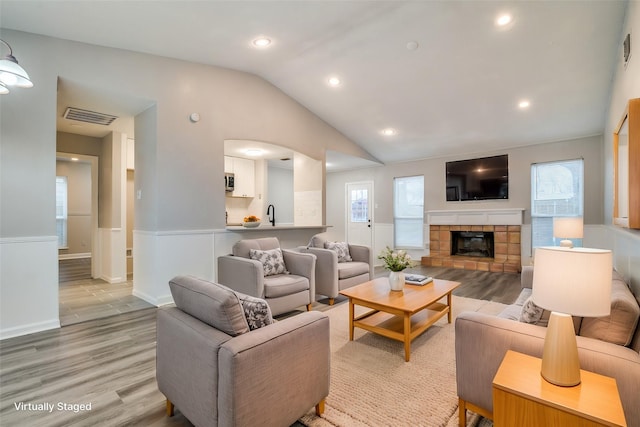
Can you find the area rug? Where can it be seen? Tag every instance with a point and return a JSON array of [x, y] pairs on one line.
[[372, 385]]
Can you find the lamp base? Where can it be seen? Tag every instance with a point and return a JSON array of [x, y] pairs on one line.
[[566, 243], [560, 364]]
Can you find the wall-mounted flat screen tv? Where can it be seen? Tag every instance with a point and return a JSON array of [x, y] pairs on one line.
[[478, 179]]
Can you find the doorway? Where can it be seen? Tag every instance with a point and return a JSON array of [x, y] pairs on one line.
[[359, 203]]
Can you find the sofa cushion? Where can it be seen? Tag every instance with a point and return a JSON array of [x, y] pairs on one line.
[[352, 269], [284, 284], [272, 261], [212, 303], [243, 247], [256, 311], [620, 325], [341, 249]]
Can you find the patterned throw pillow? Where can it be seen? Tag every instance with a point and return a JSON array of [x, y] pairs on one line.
[[272, 261], [531, 313], [256, 311], [340, 248]]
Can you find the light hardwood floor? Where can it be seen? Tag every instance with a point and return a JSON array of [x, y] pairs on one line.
[[110, 363]]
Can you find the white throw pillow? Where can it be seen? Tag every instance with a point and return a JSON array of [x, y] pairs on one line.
[[272, 261], [340, 248], [531, 313]]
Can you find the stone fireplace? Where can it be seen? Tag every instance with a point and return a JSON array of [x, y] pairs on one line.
[[475, 240]]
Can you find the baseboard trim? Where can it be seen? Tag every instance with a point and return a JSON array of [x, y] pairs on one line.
[[82, 255], [31, 328], [158, 302]]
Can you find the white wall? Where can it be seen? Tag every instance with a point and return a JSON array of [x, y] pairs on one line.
[[280, 194]]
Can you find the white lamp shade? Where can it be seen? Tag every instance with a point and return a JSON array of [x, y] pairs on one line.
[[574, 281], [568, 228]]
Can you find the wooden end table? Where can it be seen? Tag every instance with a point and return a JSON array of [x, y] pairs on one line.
[[399, 315], [521, 397]]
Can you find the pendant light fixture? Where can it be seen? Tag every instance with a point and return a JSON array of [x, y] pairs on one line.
[[12, 74]]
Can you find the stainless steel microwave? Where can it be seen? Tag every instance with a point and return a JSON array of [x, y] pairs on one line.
[[229, 181]]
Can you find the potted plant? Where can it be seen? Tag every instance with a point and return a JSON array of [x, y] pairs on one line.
[[395, 262]]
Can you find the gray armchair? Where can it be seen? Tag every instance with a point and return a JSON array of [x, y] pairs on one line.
[[333, 276], [283, 292], [218, 371]]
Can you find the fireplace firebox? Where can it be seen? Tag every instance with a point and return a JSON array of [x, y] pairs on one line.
[[472, 243]]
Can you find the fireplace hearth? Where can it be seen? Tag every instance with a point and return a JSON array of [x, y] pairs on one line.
[[472, 243]]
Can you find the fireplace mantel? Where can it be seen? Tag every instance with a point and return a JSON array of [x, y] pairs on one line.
[[512, 216]]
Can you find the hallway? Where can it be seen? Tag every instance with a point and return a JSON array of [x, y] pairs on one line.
[[83, 298]]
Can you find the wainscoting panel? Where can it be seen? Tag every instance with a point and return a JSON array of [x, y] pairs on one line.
[[160, 256], [29, 291]]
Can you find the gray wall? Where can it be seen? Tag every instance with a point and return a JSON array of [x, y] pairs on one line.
[[520, 160], [78, 205]]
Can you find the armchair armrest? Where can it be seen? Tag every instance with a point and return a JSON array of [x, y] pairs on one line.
[[241, 274], [302, 264], [271, 375], [326, 271], [526, 277], [181, 337]]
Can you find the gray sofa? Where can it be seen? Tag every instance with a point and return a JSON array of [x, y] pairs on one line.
[[608, 346], [334, 274], [222, 361]]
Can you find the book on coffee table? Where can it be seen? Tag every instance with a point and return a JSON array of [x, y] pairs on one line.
[[417, 279]]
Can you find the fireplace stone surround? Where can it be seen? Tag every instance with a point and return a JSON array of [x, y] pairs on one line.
[[505, 224]]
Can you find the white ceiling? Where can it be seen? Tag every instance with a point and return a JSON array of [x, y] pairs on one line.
[[456, 94]]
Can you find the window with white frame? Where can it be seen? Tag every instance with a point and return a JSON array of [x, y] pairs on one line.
[[408, 212], [557, 190], [61, 210]]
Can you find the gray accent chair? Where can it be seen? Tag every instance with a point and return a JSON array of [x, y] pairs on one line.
[[217, 372], [333, 276], [283, 292]]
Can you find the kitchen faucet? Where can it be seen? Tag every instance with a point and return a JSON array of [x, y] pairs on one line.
[[272, 210]]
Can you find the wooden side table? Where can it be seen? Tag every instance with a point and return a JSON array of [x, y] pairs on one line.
[[521, 397]]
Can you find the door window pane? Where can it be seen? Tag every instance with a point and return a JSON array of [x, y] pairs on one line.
[[359, 205]]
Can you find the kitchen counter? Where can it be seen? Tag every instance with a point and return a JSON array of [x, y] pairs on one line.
[[268, 227]]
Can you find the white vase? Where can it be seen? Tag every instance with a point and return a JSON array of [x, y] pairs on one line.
[[396, 280]]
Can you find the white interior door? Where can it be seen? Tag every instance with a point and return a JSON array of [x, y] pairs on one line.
[[359, 210]]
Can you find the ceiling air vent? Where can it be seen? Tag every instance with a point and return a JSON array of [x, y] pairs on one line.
[[73, 113]]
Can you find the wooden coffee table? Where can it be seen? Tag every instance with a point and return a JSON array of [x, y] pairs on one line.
[[399, 315]]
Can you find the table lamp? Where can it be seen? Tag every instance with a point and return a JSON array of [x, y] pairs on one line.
[[569, 281], [567, 228]]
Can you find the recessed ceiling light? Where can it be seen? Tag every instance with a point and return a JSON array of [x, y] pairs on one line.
[[74, 159], [253, 152], [334, 81], [389, 131], [261, 42], [503, 20], [524, 104]]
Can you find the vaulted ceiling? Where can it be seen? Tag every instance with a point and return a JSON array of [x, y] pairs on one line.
[[442, 74]]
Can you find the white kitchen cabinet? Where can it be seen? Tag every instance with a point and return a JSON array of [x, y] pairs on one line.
[[244, 176]]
